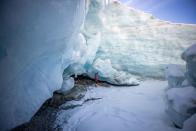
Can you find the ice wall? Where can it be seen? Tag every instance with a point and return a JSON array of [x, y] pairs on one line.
[[137, 42], [37, 42], [93, 31]]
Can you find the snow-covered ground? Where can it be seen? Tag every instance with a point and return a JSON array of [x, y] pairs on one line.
[[136, 108]]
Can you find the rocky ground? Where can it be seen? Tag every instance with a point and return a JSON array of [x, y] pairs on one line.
[[45, 118]]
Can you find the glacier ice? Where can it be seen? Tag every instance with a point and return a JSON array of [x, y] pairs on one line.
[[189, 125], [181, 104], [110, 74], [175, 75], [181, 95], [37, 43], [189, 56], [137, 42], [38, 40], [68, 83]]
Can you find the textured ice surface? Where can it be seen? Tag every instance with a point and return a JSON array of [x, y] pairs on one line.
[[189, 125], [110, 74], [137, 42], [181, 97], [181, 104], [37, 43], [189, 56], [175, 75], [133, 41]]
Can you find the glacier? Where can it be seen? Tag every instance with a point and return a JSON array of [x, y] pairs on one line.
[[43, 43], [136, 42]]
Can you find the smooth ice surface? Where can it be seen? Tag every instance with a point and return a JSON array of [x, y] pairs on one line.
[[121, 109], [37, 42], [68, 83]]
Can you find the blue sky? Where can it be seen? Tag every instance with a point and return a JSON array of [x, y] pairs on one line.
[[179, 11]]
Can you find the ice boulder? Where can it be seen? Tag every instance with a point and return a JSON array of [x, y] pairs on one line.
[[181, 95], [110, 74], [182, 104], [68, 84], [189, 125], [175, 75], [189, 56]]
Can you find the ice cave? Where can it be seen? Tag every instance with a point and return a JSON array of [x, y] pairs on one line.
[[94, 65]]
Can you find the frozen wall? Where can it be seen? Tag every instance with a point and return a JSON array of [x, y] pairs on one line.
[[36, 45], [137, 42], [181, 94]]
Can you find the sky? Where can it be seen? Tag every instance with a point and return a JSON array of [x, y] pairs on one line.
[[178, 11]]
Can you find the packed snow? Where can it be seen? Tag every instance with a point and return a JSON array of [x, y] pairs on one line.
[[120, 109]]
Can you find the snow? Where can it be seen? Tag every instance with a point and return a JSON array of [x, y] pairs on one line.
[[37, 38], [121, 109]]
